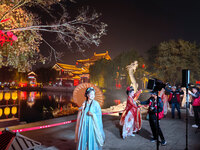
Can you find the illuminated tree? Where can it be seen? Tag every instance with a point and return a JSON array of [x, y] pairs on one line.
[[19, 54], [170, 57], [80, 32]]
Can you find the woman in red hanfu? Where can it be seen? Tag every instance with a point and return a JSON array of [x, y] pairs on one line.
[[131, 117]]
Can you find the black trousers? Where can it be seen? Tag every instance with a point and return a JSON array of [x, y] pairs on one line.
[[153, 125], [196, 114]]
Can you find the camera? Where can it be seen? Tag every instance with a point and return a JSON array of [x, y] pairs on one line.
[[155, 84]]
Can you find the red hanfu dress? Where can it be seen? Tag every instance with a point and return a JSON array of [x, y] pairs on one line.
[[131, 117]]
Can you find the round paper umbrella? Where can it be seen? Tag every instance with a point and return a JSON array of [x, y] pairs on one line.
[[79, 94]]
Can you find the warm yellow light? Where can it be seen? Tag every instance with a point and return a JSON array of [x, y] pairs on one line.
[[14, 95], [7, 96], [7, 111], [1, 96], [38, 95], [1, 112], [14, 110]]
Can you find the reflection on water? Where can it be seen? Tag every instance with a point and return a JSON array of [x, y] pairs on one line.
[[35, 106], [8, 105]]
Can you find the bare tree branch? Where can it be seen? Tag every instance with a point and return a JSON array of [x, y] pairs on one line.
[[83, 31]]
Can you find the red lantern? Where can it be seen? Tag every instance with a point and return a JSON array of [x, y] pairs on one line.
[[143, 65], [76, 82]]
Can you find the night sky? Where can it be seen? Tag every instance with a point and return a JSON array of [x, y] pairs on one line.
[[137, 24]]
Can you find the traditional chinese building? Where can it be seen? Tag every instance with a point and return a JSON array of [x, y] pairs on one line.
[[71, 73], [94, 58], [78, 74], [32, 79]]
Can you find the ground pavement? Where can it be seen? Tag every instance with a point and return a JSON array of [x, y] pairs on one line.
[[62, 137]]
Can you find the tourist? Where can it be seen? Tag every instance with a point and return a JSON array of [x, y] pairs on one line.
[[131, 117], [164, 98], [152, 102], [196, 105], [89, 133], [174, 99]]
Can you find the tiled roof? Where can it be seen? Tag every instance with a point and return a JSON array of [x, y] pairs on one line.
[[32, 73], [5, 139], [66, 67], [70, 68], [14, 141], [96, 57]]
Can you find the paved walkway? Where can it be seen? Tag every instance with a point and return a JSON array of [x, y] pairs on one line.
[[62, 137]]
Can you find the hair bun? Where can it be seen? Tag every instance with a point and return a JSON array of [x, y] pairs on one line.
[[129, 88]]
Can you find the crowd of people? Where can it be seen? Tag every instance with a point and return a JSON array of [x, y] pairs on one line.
[[89, 133]]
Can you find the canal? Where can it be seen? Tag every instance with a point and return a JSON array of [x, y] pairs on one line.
[[35, 106]]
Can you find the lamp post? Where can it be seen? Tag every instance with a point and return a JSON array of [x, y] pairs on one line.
[[185, 83]]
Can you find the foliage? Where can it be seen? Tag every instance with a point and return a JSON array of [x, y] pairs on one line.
[[169, 58], [126, 58], [69, 110], [85, 29], [101, 73], [116, 70], [21, 53], [9, 75]]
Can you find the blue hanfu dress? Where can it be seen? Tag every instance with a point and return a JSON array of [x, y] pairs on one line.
[[89, 133]]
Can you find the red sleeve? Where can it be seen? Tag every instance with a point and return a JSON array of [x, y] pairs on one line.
[[129, 101], [137, 94]]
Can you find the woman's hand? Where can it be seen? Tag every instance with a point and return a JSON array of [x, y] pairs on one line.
[[138, 101], [89, 114], [189, 92]]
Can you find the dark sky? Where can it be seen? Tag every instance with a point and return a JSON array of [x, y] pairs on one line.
[[138, 24]]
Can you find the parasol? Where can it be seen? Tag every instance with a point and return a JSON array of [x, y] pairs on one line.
[[79, 94]]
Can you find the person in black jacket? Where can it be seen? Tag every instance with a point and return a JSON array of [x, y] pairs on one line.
[[152, 102]]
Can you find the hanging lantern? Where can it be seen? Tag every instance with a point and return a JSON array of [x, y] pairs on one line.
[[14, 110], [76, 82], [1, 112], [143, 66], [7, 96], [7, 111], [14, 95], [1, 96]]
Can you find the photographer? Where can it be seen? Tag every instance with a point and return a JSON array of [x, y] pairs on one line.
[[152, 102]]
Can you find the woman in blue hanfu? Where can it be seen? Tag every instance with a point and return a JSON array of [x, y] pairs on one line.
[[89, 133]]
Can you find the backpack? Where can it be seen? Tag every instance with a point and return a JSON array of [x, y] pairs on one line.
[[196, 102], [160, 114]]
